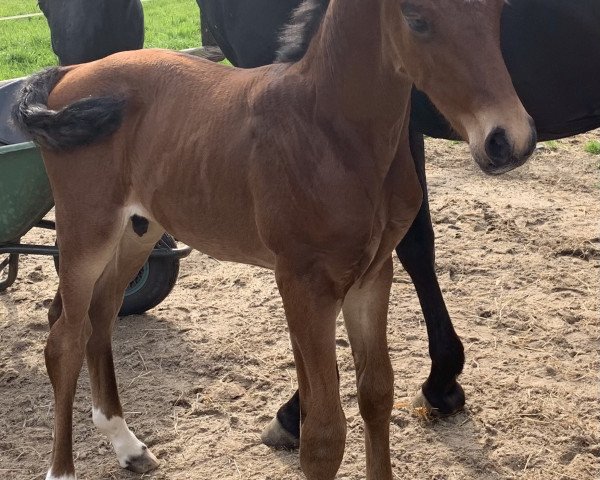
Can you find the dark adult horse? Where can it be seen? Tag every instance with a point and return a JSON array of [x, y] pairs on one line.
[[85, 30], [551, 50], [81, 31]]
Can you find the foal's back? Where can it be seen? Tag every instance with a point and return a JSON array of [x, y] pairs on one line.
[[233, 148]]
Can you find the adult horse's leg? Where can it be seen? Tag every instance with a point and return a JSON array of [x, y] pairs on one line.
[[284, 430], [311, 306], [441, 393], [107, 412], [365, 315]]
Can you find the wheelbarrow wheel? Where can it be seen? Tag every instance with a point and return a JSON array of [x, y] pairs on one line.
[[12, 262], [152, 284]]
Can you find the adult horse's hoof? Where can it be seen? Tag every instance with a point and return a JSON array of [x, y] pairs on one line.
[[450, 404], [142, 463], [275, 436]]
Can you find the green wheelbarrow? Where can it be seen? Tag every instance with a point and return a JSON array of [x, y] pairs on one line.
[[26, 198]]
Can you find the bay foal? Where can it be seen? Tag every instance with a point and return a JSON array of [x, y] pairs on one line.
[[302, 167]]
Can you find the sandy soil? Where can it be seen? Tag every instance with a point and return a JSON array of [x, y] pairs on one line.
[[200, 375]]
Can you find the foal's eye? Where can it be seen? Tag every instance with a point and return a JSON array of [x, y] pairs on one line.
[[417, 24], [414, 18]]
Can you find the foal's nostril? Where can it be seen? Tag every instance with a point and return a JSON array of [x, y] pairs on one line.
[[497, 147]]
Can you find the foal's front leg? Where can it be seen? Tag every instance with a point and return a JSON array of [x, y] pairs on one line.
[[365, 315], [441, 393], [311, 306]]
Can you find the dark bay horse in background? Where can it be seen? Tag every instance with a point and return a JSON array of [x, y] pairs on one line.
[[302, 167], [80, 31], [247, 31], [85, 30], [551, 48]]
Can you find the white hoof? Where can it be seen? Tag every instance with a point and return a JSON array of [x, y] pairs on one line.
[[131, 453], [51, 476]]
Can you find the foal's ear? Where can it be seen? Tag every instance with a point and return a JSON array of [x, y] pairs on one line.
[[415, 18]]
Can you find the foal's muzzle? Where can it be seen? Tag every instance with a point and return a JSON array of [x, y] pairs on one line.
[[501, 153]]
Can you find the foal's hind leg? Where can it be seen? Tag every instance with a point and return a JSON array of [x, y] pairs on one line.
[[311, 307], [365, 314], [65, 347], [107, 413]]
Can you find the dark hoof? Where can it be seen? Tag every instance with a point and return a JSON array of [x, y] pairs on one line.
[[450, 404], [142, 463], [275, 436]]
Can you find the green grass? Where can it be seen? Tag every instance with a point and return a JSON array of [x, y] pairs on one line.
[[25, 43], [8, 8], [551, 145], [172, 24], [593, 147], [24, 47]]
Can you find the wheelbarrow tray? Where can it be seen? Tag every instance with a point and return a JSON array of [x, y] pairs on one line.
[[25, 194]]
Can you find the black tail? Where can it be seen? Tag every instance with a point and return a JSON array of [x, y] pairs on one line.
[[80, 123]]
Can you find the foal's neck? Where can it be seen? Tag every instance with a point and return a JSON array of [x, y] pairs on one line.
[[355, 66]]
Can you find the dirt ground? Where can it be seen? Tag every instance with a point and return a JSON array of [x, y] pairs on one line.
[[518, 259]]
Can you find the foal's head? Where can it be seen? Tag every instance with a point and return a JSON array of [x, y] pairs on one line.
[[451, 49]]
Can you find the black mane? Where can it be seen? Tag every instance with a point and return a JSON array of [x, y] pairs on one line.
[[297, 34]]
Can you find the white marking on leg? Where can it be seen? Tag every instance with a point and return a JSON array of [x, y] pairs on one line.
[[124, 442], [50, 476]]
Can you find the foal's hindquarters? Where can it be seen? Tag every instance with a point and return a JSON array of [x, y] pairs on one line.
[[97, 263]]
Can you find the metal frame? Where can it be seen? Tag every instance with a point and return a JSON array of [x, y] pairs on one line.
[[15, 249]]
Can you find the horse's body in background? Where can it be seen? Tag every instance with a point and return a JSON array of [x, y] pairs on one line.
[[247, 31], [551, 50], [85, 30], [80, 31]]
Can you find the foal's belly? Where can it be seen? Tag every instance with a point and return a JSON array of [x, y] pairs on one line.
[[245, 250], [223, 230]]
